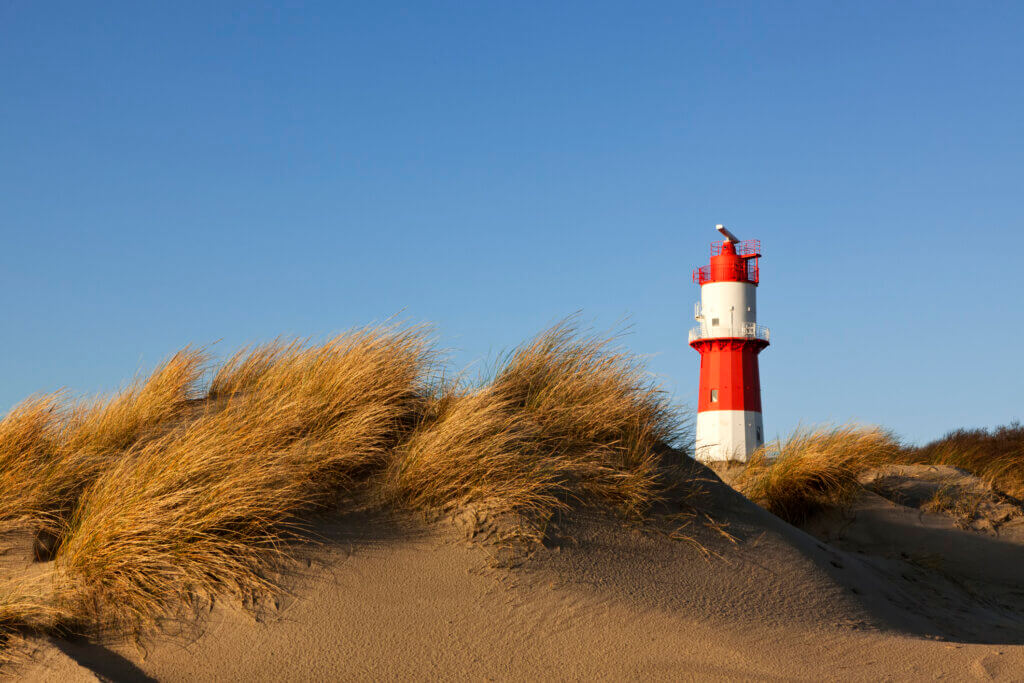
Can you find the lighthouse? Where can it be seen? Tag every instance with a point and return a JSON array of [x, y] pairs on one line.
[[728, 338]]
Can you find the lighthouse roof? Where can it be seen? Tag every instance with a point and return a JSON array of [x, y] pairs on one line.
[[746, 248], [731, 261]]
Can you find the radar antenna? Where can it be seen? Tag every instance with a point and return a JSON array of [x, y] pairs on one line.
[[729, 237]]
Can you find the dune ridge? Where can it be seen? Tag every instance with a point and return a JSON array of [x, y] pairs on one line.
[[349, 508], [168, 495]]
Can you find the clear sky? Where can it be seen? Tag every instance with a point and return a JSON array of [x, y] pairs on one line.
[[199, 172]]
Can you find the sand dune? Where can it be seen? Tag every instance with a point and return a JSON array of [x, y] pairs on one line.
[[884, 591]]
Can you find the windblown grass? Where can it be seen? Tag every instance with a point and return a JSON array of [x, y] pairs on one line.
[[996, 456], [28, 605], [51, 448], [163, 497], [814, 469], [247, 367], [472, 446], [206, 509], [567, 418], [28, 440], [599, 409]]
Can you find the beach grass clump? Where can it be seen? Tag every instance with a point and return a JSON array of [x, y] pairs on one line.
[[208, 508], [814, 469], [566, 419], [167, 495], [964, 505], [247, 367], [473, 447], [52, 447], [27, 607], [146, 409], [28, 440], [599, 409], [995, 455]]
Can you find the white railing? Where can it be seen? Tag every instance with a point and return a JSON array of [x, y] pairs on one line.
[[742, 331]]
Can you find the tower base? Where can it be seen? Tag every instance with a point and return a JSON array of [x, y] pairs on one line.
[[728, 435]]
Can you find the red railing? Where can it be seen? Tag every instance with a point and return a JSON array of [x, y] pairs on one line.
[[744, 248], [743, 271]]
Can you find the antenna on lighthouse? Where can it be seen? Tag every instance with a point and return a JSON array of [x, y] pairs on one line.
[[729, 237]]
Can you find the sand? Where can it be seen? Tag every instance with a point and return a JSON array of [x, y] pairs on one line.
[[884, 591]]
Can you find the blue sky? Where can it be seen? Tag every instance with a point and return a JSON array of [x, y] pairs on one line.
[[218, 172]]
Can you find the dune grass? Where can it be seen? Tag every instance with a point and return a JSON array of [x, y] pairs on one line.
[[818, 468], [473, 447], [996, 455], [814, 469], [599, 408], [51, 447], [566, 418], [163, 497], [964, 506], [28, 439], [205, 509]]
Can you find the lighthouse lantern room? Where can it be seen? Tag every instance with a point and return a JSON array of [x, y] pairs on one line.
[[728, 338]]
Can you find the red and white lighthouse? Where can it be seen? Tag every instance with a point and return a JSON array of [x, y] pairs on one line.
[[729, 424]]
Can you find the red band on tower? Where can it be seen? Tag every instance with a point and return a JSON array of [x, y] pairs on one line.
[[730, 367]]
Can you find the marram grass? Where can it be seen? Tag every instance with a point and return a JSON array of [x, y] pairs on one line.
[[996, 455], [168, 493], [814, 469]]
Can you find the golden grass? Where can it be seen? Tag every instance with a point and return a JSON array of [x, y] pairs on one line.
[[28, 605], [997, 455], [473, 448], [161, 501], [204, 509], [51, 448], [245, 368], [567, 418], [28, 438], [814, 469], [144, 410], [598, 407]]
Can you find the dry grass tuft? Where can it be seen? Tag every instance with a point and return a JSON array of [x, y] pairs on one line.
[[144, 410], [963, 505], [51, 448], [814, 469], [161, 501], [28, 440], [244, 369], [819, 468], [997, 456], [598, 408], [27, 607], [566, 419], [206, 509], [98, 432], [473, 446]]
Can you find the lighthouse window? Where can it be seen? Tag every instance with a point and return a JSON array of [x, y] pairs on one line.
[[714, 321], [714, 395]]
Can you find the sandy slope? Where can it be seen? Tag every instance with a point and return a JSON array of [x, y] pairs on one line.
[[389, 599]]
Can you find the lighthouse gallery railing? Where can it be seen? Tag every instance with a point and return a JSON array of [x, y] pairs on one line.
[[744, 331]]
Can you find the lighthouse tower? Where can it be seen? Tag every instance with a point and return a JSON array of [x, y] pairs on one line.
[[729, 424]]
